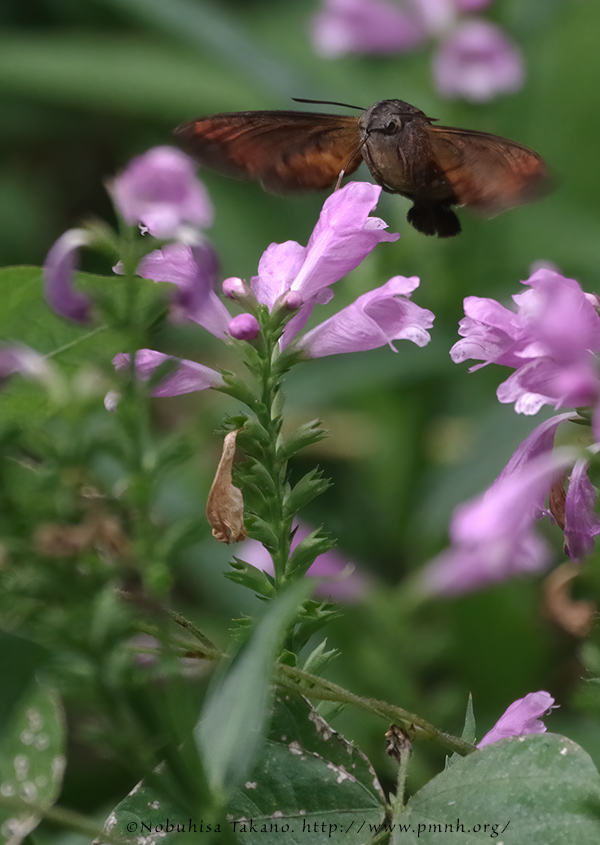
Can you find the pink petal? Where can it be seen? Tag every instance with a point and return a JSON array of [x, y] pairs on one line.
[[521, 718]]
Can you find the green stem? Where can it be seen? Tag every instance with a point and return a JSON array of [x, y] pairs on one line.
[[416, 727], [268, 416], [314, 686]]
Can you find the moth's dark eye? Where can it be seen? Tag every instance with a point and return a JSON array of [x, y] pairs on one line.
[[392, 127]]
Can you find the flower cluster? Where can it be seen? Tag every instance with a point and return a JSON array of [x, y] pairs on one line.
[[160, 191], [551, 342], [474, 58], [296, 278]]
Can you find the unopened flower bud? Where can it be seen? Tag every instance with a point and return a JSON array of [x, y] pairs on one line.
[[244, 327], [235, 288]]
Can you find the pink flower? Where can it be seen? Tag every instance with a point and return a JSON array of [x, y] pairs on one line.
[[193, 270], [374, 319], [581, 520], [552, 342], [59, 269], [343, 583], [344, 235], [522, 717], [364, 26], [493, 536], [185, 377], [18, 358], [477, 61], [160, 190]]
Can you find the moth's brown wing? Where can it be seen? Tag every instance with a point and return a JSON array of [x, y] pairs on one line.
[[486, 172], [285, 151]]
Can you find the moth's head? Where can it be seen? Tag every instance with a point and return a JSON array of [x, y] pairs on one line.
[[389, 116]]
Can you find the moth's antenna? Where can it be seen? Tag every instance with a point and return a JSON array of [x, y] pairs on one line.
[[338, 184], [326, 103]]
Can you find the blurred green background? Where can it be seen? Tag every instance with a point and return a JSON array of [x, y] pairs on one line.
[[84, 86]]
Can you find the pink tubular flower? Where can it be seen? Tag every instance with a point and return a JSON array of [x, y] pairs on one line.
[[493, 537], [477, 61], [193, 270], [581, 520], [364, 26], [374, 319], [344, 235], [552, 342], [160, 190], [522, 717], [186, 376], [341, 586], [59, 269]]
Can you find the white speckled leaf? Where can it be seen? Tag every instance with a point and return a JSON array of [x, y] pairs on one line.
[[31, 761], [308, 785], [541, 789]]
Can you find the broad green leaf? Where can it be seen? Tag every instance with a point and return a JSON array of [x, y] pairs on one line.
[[19, 660], [231, 727], [541, 789], [31, 762], [26, 318], [307, 785]]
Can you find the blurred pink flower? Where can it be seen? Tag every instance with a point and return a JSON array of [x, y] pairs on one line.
[[16, 358], [160, 190], [344, 583], [193, 270], [493, 536], [521, 717], [552, 341], [185, 377], [582, 523], [59, 269], [477, 61], [364, 26]]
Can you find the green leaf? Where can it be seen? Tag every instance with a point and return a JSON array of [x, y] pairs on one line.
[[469, 730], [251, 577], [305, 435], [26, 318], [307, 550], [537, 789], [19, 660], [31, 762], [308, 488], [151, 813], [230, 730], [260, 530], [308, 785]]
